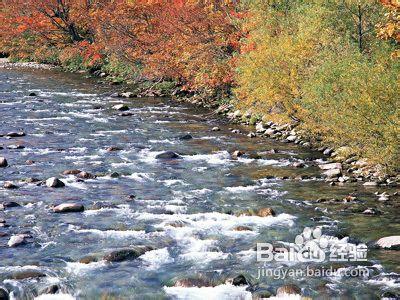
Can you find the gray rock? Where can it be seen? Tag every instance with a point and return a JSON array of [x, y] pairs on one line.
[[260, 128], [270, 131], [168, 155], [185, 137], [370, 183], [15, 134], [216, 129], [27, 274], [127, 95], [68, 208], [251, 135], [298, 165], [126, 254], [17, 240], [330, 166], [9, 185], [120, 107], [332, 173], [389, 242], [291, 138], [328, 151], [3, 162], [54, 182]]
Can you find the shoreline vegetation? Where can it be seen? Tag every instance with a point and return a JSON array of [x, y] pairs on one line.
[[321, 75]]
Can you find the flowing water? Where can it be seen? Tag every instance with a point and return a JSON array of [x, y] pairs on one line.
[[186, 209]]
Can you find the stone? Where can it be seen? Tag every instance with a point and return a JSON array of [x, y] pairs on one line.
[[126, 114], [115, 175], [237, 154], [102, 204], [4, 294], [192, 282], [251, 135], [68, 208], [27, 274], [332, 173], [10, 204], [71, 172], [15, 134], [51, 289], [85, 175], [237, 114], [260, 128], [88, 259], [215, 129], [330, 166], [328, 151], [3, 162], [185, 137], [370, 184], [288, 289], [9, 185], [238, 280], [168, 155], [54, 182], [17, 240], [29, 162], [265, 212], [237, 131], [371, 211], [15, 147], [270, 131], [120, 107], [32, 94], [291, 138], [113, 148], [126, 254], [389, 242], [242, 228], [298, 165], [127, 95]]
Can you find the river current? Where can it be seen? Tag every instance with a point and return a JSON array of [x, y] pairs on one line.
[[188, 210]]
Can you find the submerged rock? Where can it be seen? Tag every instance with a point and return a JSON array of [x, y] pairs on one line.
[[288, 289], [68, 208], [262, 212], [126, 254], [28, 274], [54, 182], [389, 242], [168, 155], [3, 162], [185, 137]]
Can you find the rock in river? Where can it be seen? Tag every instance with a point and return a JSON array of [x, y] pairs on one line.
[[185, 137], [17, 240], [27, 274], [389, 242], [68, 207], [54, 182], [71, 172], [121, 107], [262, 212], [126, 254], [168, 155], [9, 185], [288, 289], [85, 175], [4, 294], [3, 162]]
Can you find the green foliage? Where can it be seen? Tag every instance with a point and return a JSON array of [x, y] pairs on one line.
[[316, 61]]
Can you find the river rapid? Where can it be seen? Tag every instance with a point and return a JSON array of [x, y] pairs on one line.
[[187, 211]]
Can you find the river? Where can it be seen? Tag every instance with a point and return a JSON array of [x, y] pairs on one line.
[[188, 210]]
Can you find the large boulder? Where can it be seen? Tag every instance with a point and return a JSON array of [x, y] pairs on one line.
[[68, 208], [168, 155], [54, 182], [389, 242], [3, 162]]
